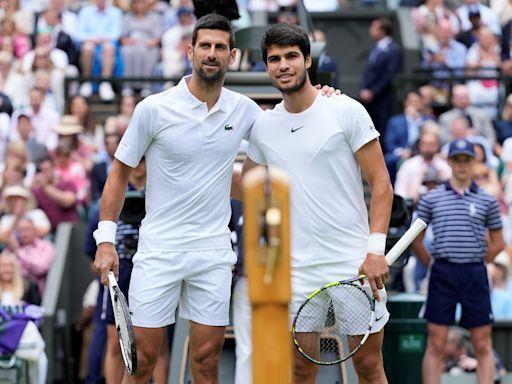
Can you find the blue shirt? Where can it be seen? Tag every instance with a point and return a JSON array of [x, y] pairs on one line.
[[95, 24], [459, 222]]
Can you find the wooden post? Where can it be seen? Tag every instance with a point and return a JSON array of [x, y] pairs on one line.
[[267, 260]]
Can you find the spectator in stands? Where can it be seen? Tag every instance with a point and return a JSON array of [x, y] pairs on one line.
[[11, 40], [53, 81], [503, 125], [36, 151], [102, 165], [410, 177], [445, 58], [56, 197], [14, 288], [4, 134], [506, 58], [140, 45], [489, 18], [34, 253], [483, 59], [384, 62], [119, 123], [427, 17], [67, 18], [501, 297], [99, 30], [458, 356], [478, 120], [68, 169], [326, 63], [170, 14], [70, 134], [462, 246], [486, 179], [12, 83], [287, 14], [19, 202], [175, 62], [469, 37], [428, 97], [172, 40], [44, 120], [51, 21], [17, 154], [402, 132], [23, 17], [92, 133]]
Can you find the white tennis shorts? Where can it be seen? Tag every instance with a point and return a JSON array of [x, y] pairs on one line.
[[199, 281], [307, 279]]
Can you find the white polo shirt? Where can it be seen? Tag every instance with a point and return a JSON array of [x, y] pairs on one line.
[[189, 154], [329, 219]]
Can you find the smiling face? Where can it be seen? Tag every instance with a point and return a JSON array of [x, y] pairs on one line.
[[287, 67], [211, 55]]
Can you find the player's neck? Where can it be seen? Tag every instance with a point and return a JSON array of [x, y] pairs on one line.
[[300, 100], [208, 93]]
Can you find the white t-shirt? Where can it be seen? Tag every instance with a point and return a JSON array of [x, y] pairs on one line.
[[329, 218], [189, 155]]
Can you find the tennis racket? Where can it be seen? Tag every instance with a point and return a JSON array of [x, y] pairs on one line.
[[124, 325], [335, 320]]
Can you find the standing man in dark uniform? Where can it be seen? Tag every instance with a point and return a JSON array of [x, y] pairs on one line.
[[467, 227], [384, 62]]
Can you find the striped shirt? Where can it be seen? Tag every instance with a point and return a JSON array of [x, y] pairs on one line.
[[459, 222]]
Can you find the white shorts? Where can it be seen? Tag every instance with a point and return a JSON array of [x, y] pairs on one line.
[[307, 279], [200, 281]]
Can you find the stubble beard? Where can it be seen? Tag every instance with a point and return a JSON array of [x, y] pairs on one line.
[[294, 87], [210, 79]]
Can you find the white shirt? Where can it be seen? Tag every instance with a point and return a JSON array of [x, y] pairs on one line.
[[329, 218], [189, 154]]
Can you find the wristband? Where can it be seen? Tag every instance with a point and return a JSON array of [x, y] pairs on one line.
[[106, 232], [376, 243]]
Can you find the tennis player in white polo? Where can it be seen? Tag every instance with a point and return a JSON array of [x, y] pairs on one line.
[[189, 135]]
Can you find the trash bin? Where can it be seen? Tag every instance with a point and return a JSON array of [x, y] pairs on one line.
[[405, 337]]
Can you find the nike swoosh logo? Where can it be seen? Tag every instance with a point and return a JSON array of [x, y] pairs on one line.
[[296, 129], [379, 318]]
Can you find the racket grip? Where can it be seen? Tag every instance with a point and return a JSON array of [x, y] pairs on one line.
[[405, 241], [112, 279]]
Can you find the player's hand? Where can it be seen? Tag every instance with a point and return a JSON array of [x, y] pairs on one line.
[[327, 90], [106, 260], [376, 270]]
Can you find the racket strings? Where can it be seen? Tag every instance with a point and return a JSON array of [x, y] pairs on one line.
[[331, 326], [124, 330]]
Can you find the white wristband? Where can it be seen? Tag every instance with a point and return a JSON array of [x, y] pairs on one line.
[[106, 232], [376, 243]]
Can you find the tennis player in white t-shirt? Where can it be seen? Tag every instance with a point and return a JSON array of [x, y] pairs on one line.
[[324, 144]]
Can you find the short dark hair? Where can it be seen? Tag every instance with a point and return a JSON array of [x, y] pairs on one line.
[[386, 25], [285, 34], [214, 21]]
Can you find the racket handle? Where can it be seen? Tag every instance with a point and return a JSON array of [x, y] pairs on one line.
[[396, 251], [112, 279]]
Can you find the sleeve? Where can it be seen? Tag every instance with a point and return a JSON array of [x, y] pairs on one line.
[[116, 27], [39, 218], [253, 113], [423, 209], [81, 30], [138, 135], [493, 219], [357, 125], [255, 151]]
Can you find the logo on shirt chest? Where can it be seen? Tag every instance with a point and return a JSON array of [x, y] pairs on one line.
[[297, 128], [228, 127]]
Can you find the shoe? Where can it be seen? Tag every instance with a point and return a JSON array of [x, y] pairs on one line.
[[106, 92], [85, 89], [145, 92]]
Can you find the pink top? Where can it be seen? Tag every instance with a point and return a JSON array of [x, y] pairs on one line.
[[35, 261]]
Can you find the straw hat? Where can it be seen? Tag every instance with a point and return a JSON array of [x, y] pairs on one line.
[[18, 190], [69, 125]]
